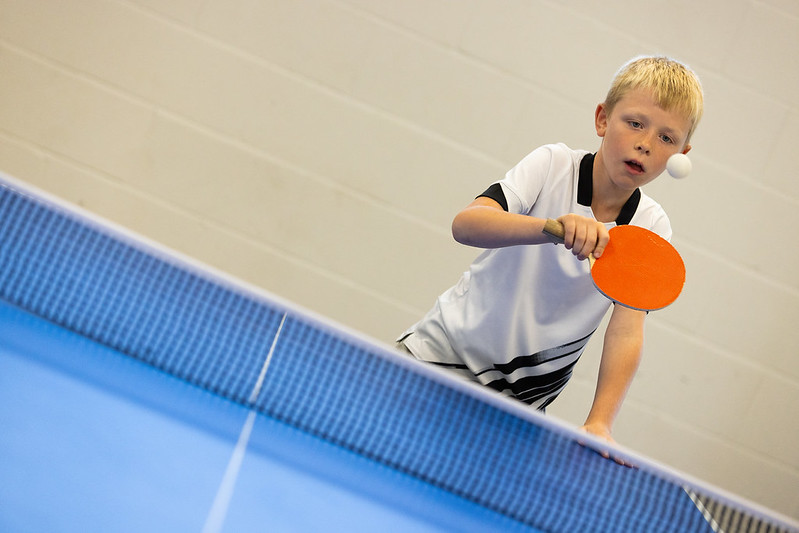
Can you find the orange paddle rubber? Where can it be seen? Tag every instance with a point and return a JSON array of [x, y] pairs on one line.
[[638, 269]]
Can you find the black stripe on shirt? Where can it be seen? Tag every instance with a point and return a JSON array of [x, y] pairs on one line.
[[544, 356], [532, 388]]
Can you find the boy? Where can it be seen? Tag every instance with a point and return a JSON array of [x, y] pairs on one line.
[[520, 318]]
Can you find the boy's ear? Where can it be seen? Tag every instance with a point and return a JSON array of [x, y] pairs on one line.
[[601, 120], [686, 149]]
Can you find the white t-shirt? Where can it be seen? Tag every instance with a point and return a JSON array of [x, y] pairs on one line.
[[520, 317]]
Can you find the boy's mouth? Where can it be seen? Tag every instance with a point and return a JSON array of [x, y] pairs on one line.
[[635, 166]]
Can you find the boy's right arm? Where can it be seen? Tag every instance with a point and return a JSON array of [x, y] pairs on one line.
[[484, 224]]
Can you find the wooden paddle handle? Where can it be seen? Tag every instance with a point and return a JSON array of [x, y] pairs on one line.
[[554, 229]]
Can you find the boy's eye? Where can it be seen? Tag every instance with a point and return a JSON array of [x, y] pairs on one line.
[[635, 124], [667, 139]]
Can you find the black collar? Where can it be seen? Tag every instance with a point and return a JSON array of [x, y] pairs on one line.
[[585, 191]]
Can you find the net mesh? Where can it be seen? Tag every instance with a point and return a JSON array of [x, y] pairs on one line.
[[146, 305]]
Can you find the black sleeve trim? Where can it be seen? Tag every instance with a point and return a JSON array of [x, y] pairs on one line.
[[495, 193]]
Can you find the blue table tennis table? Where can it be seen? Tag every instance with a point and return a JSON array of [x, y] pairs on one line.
[[96, 441], [142, 392]]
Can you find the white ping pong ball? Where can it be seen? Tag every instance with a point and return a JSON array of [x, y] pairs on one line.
[[678, 166]]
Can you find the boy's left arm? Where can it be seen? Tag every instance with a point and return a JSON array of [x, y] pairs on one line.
[[621, 353]]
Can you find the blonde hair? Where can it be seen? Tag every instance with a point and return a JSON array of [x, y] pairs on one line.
[[675, 86]]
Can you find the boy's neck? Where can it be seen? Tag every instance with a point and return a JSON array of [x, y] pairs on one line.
[[606, 208], [607, 203]]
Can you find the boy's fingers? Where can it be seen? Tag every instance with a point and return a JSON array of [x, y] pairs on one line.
[[603, 452], [592, 241], [603, 237], [568, 231], [580, 241], [588, 241], [584, 236]]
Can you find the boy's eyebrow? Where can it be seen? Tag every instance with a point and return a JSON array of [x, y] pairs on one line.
[[676, 132], [642, 116]]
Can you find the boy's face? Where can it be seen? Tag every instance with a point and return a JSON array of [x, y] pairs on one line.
[[638, 137]]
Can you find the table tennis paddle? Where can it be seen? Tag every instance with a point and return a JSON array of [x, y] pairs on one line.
[[638, 268]]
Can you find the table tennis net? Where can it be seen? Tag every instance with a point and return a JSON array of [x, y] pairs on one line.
[[152, 305]]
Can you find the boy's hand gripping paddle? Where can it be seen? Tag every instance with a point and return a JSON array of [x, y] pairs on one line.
[[638, 269]]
